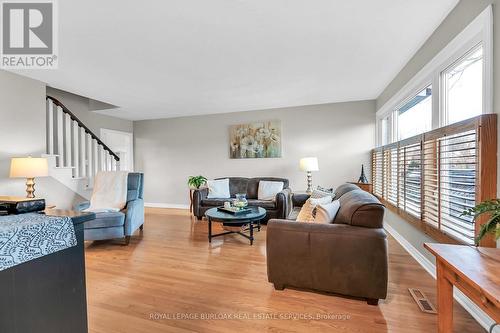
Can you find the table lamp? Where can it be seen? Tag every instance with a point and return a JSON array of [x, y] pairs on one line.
[[309, 164], [29, 168]]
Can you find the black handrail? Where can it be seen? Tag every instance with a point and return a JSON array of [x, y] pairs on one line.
[[82, 125]]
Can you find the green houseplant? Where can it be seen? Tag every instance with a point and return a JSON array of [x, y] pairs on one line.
[[196, 181], [491, 207]]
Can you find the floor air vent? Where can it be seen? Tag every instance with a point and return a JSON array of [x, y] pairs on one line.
[[422, 301]]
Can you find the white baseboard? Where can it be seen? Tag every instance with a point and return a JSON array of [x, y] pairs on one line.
[[165, 205], [482, 318]]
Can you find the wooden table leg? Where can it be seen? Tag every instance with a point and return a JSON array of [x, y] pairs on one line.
[[445, 300], [190, 201]]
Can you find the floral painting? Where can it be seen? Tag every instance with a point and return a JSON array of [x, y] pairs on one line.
[[255, 140]]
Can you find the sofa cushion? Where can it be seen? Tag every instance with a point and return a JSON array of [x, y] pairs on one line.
[[326, 213], [360, 208], [269, 189], [294, 213], [237, 185], [267, 204], [214, 202], [218, 188], [253, 185], [307, 212], [106, 220], [343, 189], [318, 193]]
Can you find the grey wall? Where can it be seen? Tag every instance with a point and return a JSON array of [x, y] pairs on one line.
[[82, 106], [22, 130], [169, 150], [457, 20]]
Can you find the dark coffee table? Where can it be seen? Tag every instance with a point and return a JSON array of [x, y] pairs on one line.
[[251, 218]]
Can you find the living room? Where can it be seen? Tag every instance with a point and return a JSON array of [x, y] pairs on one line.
[[252, 166]]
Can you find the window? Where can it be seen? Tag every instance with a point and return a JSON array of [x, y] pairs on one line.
[[457, 84], [385, 126], [463, 87], [415, 116], [431, 179]]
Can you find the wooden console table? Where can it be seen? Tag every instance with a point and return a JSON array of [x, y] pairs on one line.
[[368, 187], [475, 271]]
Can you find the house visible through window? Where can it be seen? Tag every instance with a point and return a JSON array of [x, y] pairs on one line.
[[463, 87], [415, 116]]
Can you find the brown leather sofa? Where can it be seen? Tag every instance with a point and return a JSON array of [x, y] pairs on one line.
[[348, 256], [279, 208]]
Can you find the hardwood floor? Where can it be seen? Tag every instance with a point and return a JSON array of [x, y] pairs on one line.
[[170, 270]]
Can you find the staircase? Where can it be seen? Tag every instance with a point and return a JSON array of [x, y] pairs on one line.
[[74, 153]]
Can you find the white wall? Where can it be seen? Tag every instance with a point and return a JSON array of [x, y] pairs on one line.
[[22, 133], [169, 150], [80, 107]]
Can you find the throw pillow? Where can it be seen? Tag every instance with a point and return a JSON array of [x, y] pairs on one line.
[[326, 213], [325, 189], [269, 189], [317, 193], [307, 211], [218, 189]]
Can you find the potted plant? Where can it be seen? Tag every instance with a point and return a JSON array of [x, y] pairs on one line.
[[491, 207], [195, 182]]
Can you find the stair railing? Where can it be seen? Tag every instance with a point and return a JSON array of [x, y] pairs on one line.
[[75, 145]]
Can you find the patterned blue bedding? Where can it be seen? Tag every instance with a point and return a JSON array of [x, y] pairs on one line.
[[26, 237]]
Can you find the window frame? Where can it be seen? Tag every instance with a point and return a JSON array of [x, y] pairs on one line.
[[479, 31]]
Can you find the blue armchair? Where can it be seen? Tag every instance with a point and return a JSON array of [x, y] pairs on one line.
[[120, 224]]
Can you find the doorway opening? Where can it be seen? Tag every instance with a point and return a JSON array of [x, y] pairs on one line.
[[122, 144]]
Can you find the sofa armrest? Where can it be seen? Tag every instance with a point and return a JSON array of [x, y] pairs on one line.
[[284, 203], [134, 216], [198, 196], [81, 206], [299, 199], [330, 257]]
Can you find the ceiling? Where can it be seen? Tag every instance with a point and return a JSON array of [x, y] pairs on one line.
[[160, 59]]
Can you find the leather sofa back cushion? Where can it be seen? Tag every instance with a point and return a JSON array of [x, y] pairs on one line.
[[360, 208], [343, 189], [250, 186]]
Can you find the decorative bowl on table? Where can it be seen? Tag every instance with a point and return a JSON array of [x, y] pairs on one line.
[[241, 201]]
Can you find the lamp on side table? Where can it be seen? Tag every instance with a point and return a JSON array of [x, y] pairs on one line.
[[309, 164], [29, 168]]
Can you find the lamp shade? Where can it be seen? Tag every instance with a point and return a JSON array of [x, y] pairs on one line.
[[28, 167], [309, 164]]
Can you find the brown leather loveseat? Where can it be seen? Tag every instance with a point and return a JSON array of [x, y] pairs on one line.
[[348, 256], [279, 208]]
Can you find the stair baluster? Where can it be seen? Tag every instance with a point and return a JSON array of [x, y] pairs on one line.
[[74, 145], [60, 136], [76, 150], [50, 127]]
